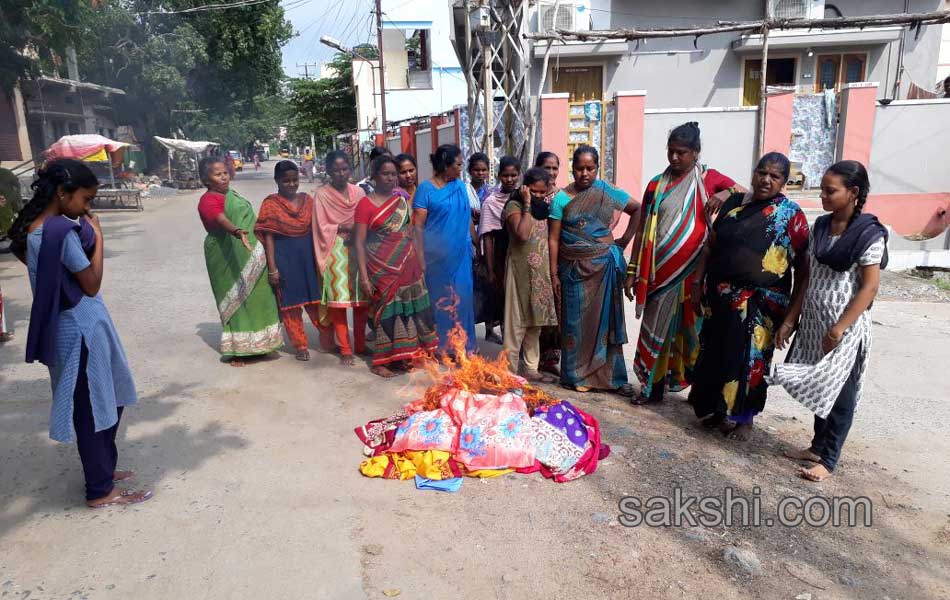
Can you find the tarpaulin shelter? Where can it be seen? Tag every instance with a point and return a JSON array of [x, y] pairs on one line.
[[88, 147], [196, 148]]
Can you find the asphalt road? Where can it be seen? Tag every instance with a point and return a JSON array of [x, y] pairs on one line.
[[257, 492]]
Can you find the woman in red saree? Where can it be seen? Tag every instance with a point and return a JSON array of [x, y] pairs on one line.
[[391, 274]]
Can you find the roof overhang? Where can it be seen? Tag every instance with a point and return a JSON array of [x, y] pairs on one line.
[[583, 48], [803, 38]]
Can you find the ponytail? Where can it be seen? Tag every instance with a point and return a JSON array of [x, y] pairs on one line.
[[67, 173]]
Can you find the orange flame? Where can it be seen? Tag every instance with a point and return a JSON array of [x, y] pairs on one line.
[[458, 370]]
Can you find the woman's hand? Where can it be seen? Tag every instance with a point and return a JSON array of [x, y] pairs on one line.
[[715, 202], [556, 286], [696, 298], [367, 287], [93, 219], [525, 196], [242, 235], [784, 334], [628, 287], [622, 242], [831, 340], [273, 278]]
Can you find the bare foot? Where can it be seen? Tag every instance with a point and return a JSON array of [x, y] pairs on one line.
[[382, 372], [803, 454], [817, 473], [119, 496], [347, 360], [118, 476], [236, 361], [712, 421], [303, 355], [740, 433]]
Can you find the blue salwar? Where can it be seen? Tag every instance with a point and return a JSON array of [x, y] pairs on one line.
[[448, 256]]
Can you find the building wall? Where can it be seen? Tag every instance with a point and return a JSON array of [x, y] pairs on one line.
[[677, 73], [448, 83], [728, 138], [909, 153], [14, 139]]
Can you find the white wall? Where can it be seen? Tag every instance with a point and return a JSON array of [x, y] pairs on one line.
[[728, 139], [909, 152]]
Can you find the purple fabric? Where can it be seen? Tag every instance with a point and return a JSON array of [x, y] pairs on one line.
[[566, 418], [56, 288]]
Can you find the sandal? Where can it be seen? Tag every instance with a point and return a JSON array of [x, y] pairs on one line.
[[347, 360], [626, 390], [538, 377], [122, 498], [303, 355], [118, 476]]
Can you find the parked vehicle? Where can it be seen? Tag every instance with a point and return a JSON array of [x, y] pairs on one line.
[[237, 159]]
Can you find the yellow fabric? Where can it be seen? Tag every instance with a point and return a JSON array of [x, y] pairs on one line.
[[488, 473], [99, 156], [431, 464]]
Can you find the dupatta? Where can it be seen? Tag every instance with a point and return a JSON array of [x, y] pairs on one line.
[[332, 209]]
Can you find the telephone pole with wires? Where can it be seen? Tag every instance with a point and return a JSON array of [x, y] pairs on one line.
[[306, 69]]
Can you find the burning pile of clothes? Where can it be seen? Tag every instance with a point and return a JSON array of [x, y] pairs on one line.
[[479, 420]]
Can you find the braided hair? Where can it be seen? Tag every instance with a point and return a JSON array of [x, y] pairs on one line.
[[853, 175], [65, 173]]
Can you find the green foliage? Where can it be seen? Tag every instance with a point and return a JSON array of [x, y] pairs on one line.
[[323, 107]]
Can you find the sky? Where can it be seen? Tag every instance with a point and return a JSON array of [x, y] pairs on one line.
[[349, 21]]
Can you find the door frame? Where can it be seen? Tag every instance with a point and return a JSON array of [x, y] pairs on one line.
[[797, 56], [552, 69], [841, 56]]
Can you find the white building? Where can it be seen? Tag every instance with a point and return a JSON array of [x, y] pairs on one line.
[[422, 72]]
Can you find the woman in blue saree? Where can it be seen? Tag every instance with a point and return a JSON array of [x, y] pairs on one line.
[[587, 272], [443, 225]]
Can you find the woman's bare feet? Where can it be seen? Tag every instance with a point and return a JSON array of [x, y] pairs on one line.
[[803, 454], [347, 360], [236, 361], [119, 497], [740, 433], [303, 355], [816, 473], [538, 377], [382, 371]]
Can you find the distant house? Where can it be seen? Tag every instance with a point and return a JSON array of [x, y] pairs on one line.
[[724, 70], [43, 109]]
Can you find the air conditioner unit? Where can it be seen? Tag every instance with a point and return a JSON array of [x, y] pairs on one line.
[[798, 9], [571, 16]]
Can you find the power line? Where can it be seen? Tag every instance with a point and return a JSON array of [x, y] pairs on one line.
[[221, 6]]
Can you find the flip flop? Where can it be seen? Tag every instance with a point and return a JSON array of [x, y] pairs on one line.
[[124, 498]]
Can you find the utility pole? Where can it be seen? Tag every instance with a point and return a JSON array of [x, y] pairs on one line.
[[763, 85], [306, 68], [487, 59], [382, 68]]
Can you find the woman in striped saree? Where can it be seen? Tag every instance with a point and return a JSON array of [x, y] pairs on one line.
[[236, 266], [391, 274], [677, 204], [587, 269]]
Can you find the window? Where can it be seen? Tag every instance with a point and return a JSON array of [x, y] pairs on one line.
[[74, 129], [407, 55], [836, 70]]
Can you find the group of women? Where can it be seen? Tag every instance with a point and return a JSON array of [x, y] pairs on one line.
[[720, 276]]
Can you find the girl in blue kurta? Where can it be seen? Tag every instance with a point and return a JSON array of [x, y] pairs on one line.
[[70, 329], [443, 223]]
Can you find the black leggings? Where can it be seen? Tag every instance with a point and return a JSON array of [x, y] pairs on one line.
[[831, 432], [97, 450]]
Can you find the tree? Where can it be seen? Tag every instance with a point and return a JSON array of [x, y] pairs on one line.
[[326, 106], [35, 32]]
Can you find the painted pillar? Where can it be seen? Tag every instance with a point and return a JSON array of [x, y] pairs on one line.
[[407, 139], [778, 122], [628, 155], [434, 123], [554, 130], [858, 109], [379, 139]]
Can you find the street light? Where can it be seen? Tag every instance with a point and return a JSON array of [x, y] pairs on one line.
[[338, 45]]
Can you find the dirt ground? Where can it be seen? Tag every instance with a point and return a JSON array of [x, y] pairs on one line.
[[258, 493]]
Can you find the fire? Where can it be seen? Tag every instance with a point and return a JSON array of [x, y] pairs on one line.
[[457, 370]]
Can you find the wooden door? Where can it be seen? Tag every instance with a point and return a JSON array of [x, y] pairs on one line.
[[827, 68], [582, 83], [752, 82]]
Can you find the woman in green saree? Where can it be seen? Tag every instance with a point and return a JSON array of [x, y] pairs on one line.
[[236, 266]]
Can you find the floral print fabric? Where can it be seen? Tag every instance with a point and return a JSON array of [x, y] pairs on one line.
[[494, 431], [426, 430]]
